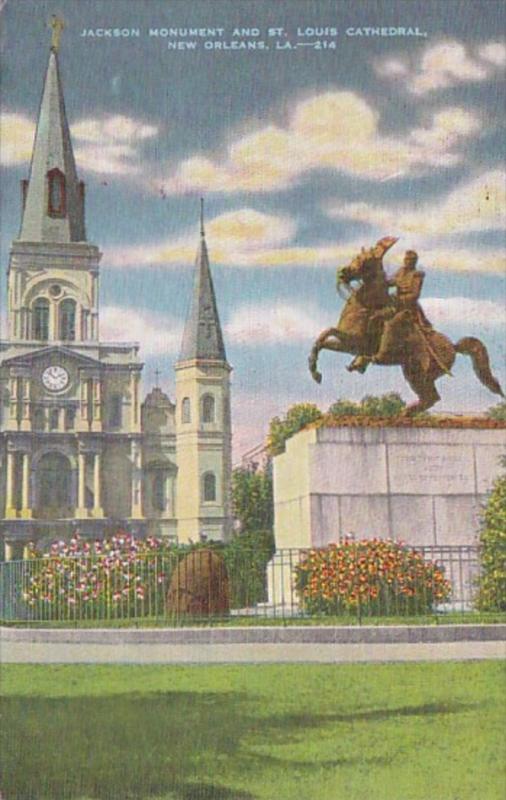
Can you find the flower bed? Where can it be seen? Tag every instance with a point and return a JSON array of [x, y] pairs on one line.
[[374, 577]]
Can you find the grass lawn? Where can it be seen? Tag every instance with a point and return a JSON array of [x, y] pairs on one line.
[[315, 732]]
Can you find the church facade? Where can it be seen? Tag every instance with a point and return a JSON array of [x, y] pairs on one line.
[[79, 447]]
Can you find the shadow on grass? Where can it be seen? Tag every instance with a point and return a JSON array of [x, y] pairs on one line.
[[179, 746]]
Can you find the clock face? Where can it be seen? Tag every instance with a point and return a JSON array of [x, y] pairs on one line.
[[55, 378]]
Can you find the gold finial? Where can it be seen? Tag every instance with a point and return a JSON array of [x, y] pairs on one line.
[[57, 26]]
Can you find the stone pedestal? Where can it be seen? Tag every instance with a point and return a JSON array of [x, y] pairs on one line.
[[423, 486]]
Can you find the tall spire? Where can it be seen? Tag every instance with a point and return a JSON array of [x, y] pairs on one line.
[[202, 337], [54, 198]]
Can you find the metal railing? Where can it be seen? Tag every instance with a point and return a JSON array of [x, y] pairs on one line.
[[213, 586]]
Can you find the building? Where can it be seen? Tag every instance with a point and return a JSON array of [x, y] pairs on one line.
[[78, 447]]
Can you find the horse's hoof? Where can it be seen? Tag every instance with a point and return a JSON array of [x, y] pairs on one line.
[[317, 376]]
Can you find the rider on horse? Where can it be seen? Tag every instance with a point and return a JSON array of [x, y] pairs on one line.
[[404, 309]]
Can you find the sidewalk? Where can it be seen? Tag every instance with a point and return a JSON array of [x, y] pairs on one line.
[[252, 645]]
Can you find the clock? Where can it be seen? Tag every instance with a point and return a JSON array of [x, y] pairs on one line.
[[55, 378]]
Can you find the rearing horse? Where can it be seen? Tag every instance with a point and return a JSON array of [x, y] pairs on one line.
[[423, 355]]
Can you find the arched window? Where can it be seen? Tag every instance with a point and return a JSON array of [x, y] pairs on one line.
[[186, 410], [56, 201], [209, 487], [208, 408], [159, 491], [67, 320], [40, 313], [54, 419]]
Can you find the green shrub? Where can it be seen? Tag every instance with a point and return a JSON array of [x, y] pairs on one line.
[[376, 577], [386, 405], [296, 418], [492, 587], [252, 500], [498, 412], [246, 558]]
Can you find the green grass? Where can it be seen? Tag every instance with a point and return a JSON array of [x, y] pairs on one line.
[[453, 618], [422, 731]]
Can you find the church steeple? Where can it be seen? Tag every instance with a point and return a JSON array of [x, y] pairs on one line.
[[54, 197], [202, 337]]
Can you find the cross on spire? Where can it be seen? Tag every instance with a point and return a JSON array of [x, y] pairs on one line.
[[57, 25], [157, 378]]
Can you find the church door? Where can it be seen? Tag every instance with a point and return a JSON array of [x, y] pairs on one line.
[[54, 487]]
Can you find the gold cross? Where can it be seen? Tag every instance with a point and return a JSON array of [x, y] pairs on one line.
[[57, 26]]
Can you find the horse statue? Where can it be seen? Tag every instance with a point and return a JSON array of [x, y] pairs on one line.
[[423, 353]]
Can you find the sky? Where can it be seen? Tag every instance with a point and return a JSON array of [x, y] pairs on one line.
[[309, 137]]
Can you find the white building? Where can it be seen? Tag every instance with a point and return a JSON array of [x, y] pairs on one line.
[[78, 448]]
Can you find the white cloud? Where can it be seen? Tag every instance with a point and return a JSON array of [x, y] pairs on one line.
[[16, 139], [457, 310], [475, 205], [337, 131], [273, 323], [446, 64], [110, 145], [157, 333], [235, 238]]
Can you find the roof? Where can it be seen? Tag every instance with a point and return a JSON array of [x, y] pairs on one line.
[[52, 151]]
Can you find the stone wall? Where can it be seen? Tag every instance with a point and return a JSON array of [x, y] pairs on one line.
[[425, 486]]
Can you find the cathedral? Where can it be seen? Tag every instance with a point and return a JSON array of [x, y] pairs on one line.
[[79, 447]]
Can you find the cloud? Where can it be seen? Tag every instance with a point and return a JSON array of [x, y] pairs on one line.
[[475, 205], [337, 131], [458, 310], [273, 323], [235, 238], [157, 333], [16, 139], [110, 145], [446, 64]]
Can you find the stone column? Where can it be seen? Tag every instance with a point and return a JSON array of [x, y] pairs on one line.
[[26, 511], [97, 494], [135, 454], [8, 551], [26, 423], [81, 510], [10, 511]]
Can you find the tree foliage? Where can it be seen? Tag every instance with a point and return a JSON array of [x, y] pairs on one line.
[[252, 500], [492, 591], [386, 405], [282, 428], [498, 411]]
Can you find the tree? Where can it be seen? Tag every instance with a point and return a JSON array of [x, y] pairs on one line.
[[492, 591], [252, 500], [296, 418], [386, 405], [498, 412]]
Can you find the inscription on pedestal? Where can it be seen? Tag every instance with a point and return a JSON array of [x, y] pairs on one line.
[[431, 469]]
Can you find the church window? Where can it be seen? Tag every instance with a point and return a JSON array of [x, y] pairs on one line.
[[159, 491], [116, 411], [67, 320], [39, 419], [54, 419], [186, 410], [55, 290], [56, 193], [209, 487], [208, 408], [70, 418], [41, 319]]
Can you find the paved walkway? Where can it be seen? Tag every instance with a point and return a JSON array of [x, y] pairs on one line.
[[54, 653], [252, 645]]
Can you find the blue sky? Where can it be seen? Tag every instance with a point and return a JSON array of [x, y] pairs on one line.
[[303, 155]]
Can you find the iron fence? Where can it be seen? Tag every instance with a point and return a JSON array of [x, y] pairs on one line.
[[207, 586]]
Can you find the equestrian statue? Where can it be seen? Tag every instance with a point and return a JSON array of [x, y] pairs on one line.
[[380, 327]]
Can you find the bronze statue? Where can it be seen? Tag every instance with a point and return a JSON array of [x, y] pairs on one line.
[[392, 329]]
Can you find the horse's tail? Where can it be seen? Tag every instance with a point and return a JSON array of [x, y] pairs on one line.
[[470, 346]]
